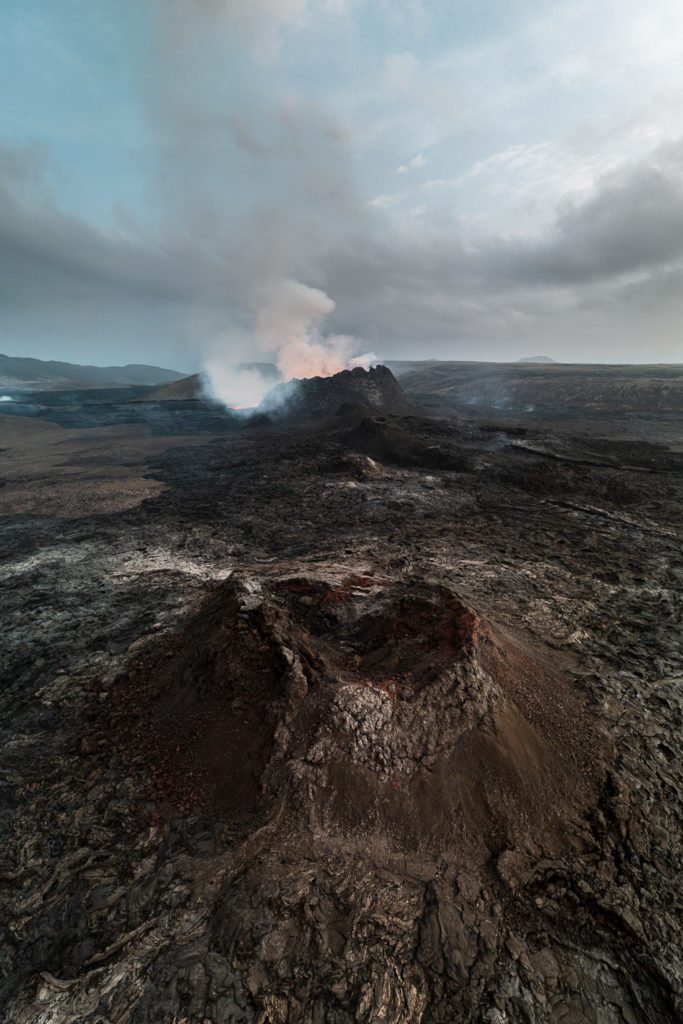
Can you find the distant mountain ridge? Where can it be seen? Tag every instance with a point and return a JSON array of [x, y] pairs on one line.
[[185, 389], [537, 359], [25, 372], [197, 387]]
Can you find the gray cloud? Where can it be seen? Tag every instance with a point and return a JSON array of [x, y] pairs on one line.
[[44, 251], [633, 222], [609, 264], [69, 288], [249, 181]]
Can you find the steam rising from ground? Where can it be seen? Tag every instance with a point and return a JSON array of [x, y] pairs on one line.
[[234, 386], [288, 326], [259, 175]]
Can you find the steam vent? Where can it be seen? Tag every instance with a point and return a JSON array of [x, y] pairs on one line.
[[376, 389]]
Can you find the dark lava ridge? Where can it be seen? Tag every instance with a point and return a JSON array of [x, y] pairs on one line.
[[318, 397]]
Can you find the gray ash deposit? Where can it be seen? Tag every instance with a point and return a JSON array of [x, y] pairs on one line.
[[318, 397]]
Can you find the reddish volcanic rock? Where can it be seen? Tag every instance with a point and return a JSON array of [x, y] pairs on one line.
[[362, 703]]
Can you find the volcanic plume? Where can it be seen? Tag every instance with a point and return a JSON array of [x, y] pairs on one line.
[[288, 325]]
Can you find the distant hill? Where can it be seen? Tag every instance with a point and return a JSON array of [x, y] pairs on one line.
[[537, 359], [26, 373], [645, 401], [187, 389]]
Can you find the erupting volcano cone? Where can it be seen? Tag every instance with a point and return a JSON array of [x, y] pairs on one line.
[[314, 397]]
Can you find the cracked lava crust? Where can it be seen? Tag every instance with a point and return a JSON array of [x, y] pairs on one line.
[[360, 703]]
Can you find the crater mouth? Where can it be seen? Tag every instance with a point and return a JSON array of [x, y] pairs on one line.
[[379, 633], [358, 702]]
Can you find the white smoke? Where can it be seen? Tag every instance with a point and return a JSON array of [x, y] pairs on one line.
[[235, 386], [223, 115], [288, 326]]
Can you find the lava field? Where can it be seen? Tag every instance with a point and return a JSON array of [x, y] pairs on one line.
[[366, 712]]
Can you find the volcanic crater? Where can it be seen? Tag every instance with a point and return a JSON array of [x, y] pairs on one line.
[[317, 397], [362, 702]]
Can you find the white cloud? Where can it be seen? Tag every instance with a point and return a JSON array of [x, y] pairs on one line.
[[385, 202], [412, 165]]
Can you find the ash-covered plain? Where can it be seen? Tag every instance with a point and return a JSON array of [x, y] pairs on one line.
[[363, 708]]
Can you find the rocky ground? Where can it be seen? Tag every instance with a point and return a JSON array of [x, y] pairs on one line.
[[376, 719], [635, 401]]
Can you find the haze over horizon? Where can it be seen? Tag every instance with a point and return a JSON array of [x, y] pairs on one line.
[[190, 182]]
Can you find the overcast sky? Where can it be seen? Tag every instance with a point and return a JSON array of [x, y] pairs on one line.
[[464, 179]]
